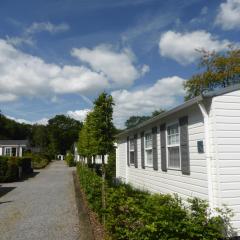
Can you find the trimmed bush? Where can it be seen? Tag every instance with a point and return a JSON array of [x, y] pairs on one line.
[[39, 161], [133, 214], [10, 168], [70, 159]]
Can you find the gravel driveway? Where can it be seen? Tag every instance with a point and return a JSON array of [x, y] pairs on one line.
[[42, 207]]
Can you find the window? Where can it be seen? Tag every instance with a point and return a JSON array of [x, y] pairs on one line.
[[148, 149], [173, 146], [7, 151], [131, 151]]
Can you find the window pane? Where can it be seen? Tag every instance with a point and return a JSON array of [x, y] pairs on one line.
[[148, 140], [149, 157], [132, 157], [8, 151], [173, 157], [131, 144], [173, 134]]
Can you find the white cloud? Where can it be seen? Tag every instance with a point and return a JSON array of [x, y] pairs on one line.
[[79, 115], [16, 41], [43, 121], [117, 66], [26, 75], [19, 120], [27, 35], [182, 46], [163, 94], [47, 26], [229, 15], [7, 97], [79, 79]]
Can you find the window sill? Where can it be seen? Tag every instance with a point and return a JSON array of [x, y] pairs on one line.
[[149, 166], [174, 169]]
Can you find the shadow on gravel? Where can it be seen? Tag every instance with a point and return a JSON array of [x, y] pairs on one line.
[[31, 175], [5, 190], [6, 202]]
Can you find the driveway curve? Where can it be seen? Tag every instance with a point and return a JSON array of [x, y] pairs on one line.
[[40, 208]]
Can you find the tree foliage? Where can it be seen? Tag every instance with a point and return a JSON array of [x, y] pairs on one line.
[[97, 135], [219, 70], [133, 121], [56, 137], [63, 132]]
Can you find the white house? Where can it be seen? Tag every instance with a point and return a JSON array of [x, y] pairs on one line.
[[13, 148], [192, 150]]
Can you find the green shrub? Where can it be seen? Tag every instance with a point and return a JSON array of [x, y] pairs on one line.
[[39, 160], [9, 168], [70, 159], [133, 214]]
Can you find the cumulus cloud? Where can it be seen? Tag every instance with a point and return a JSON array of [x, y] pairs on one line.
[[182, 46], [79, 115], [164, 94], [229, 15], [26, 75], [118, 66], [79, 79]]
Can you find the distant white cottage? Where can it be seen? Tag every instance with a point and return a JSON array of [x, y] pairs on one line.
[[192, 150], [13, 148]]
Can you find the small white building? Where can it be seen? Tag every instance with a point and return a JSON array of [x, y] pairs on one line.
[[192, 150], [13, 148]]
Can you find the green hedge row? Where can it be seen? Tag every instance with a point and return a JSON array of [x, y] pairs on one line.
[[13, 168], [133, 214]]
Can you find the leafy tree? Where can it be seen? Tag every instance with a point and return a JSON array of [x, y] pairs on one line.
[[63, 132], [219, 70], [40, 137], [104, 131], [133, 121]]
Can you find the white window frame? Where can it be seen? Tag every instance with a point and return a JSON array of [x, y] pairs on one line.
[[131, 150], [10, 151], [147, 149], [173, 145]]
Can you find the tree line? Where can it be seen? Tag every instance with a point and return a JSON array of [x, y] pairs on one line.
[[56, 137]]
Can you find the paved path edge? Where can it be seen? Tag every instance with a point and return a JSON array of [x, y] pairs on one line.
[[86, 230]]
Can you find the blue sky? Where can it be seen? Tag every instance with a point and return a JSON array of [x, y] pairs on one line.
[[57, 55]]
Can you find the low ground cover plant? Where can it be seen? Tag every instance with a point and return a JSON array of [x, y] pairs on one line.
[[134, 214]]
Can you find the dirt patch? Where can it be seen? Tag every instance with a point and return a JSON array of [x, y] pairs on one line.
[[86, 214]]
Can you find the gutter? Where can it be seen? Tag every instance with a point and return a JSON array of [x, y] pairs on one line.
[[208, 153]]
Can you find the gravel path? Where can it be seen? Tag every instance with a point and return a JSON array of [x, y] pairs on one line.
[[42, 207]]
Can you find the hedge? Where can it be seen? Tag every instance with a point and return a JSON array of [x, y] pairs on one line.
[[134, 214], [10, 168], [70, 159], [39, 160]]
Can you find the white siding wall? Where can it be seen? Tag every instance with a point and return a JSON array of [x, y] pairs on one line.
[[1, 152], [171, 181], [121, 160], [226, 114]]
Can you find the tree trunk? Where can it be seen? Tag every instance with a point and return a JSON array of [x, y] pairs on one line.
[[103, 190], [94, 163]]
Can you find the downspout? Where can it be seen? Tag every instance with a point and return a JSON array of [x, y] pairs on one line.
[[208, 153]]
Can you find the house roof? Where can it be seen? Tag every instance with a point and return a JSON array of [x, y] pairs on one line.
[[14, 142], [204, 95]]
